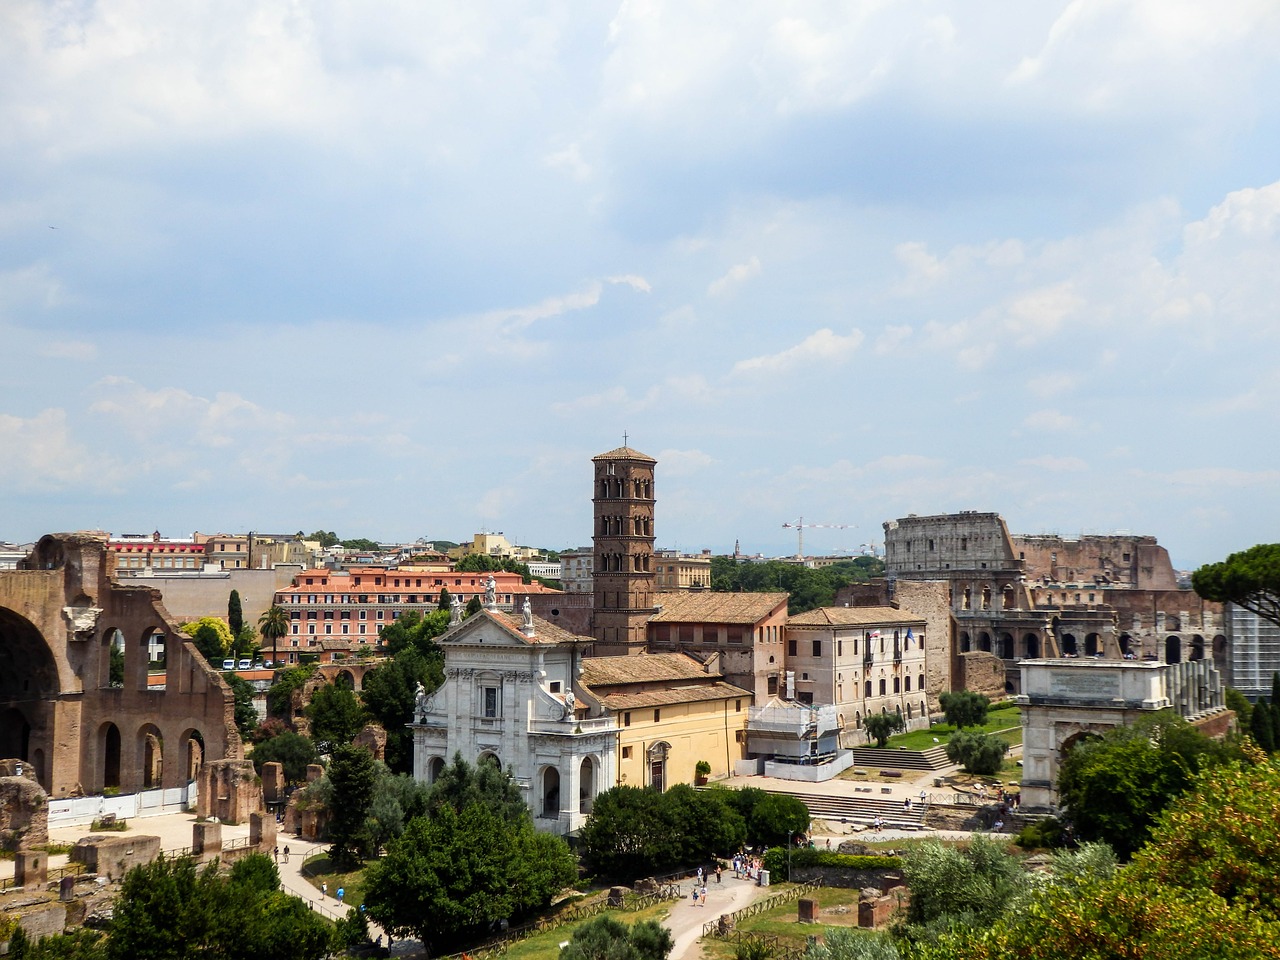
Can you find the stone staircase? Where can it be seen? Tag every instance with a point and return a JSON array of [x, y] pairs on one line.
[[935, 758], [862, 809]]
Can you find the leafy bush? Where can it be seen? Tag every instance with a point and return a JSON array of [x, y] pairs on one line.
[[980, 753], [775, 860], [1042, 834]]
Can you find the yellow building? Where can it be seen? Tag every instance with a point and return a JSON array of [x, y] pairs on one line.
[[675, 571], [671, 713], [493, 545]]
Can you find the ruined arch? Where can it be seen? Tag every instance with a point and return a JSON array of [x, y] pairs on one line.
[[964, 641], [984, 642], [28, 671], [1092, 645], [435, 767], [489, 757], [192, 745], [345, 679], [1173, 649], [1007, 651], [15, 735], [1126, 644], [150, 752], [1069, 646], [1031, 646], [1197, 648], [1220, 650]]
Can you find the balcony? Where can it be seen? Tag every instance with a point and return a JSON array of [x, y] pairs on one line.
[[566, 728]]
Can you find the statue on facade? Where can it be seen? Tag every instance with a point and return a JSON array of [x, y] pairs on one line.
[[455, 610], [570, 703], [421, 703], [490, 592], [528, 617]]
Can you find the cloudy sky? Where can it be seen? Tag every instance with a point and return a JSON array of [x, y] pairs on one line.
[[400, 269]]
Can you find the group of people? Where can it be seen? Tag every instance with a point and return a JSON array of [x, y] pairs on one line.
[[747, 867]]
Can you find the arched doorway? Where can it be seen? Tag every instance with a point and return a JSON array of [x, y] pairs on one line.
[[154, 644], [1173, 650], [658, 765], [1126, 644], [1069, 647], [345, 680], [1031, 646], [984, 642], [489, 757], [109, 751], [27, 669], [1197, 648], [435, 767], [550, 793], [964, 642], [1006, 646], [192, 754], [15, 735], [1092, 645], [586, 786], [151, 749]]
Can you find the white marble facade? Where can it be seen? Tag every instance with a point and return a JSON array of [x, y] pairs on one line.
[[509, 697]]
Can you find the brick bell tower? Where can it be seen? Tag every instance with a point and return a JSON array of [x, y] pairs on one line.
[[623, 538]]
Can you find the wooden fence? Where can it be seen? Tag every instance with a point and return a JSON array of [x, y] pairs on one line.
[[713, 927]]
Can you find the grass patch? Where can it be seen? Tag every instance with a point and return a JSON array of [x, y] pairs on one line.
[[1005, 720], [782, 922], [318, 870], [546, 945]]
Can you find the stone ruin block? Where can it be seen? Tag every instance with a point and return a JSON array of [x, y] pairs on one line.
[[374, 739], [808, 910], [114, 856], [31, 869], [206, 840], [229, 790], [262, 832], [24, 811], [617, 895], [273, 782]]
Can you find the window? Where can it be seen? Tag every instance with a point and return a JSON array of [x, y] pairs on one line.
[[555, 686], [737, 706], [817, 648], [791, 648], [907, 684], [657, 716], [883, 686], [626, 753], [490, 701], [839, 648], [626, 719]]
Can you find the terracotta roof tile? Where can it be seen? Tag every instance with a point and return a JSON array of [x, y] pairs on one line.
[[853, 617], [710, 607], [693, 693], [642, 668], [625, 453]]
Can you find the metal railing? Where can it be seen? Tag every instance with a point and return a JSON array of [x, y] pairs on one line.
[[712, 928]]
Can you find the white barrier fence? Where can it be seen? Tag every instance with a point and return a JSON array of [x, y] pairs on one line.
[[74, 811]]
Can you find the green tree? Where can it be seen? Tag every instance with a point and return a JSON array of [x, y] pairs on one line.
[[397, 799], [1275, 709], [292, 751], [280, 693], [842, 943], [965, 708], [115, 670], [1240, 705], [412, 629], [336, 717], [212, 638], [954, 887], [80, 944], [274, 626], [473, 607], [1115, 785], [352, 777], [461, 785], [1249, 579], [326, 538], [453, 874], [775, 818], [630, 834], [979, 752], [481, 563], [709, 825], [235, 614], [256, 871], [388, 696], [1261, 727], [606, 938], [246, 715], [446, 600], [881, 726]]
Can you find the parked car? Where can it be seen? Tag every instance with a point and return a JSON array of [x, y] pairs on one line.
[[245, 664], [228, 664]]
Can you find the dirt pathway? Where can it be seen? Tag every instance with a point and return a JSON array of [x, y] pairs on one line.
[[685, 919]]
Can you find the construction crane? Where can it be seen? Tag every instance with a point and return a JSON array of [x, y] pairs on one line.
[[799, 526]]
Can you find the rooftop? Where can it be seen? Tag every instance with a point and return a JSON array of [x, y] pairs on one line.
[[704, 607]]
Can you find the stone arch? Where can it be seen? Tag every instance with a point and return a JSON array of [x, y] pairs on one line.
[[857, 720], [897, 685], [1009, 687], [150, 753], [1030, 646], [192, 747], [549, 783], [1220, 650], [1069, 646], [1075, 739], [1007, 598], [345, 679], [108, 741], [28, 671], [1197, 648], [1006, 647], [910, 716], [154, 645], [587, 785], [435, 767], [657, 759], [1126, 644], [1092, 645], [1173, 649], [113, 642], [984, 642], [964, 641], [137, 661], [489, 757]]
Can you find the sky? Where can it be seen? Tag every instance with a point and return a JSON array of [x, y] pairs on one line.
[[400, 269]]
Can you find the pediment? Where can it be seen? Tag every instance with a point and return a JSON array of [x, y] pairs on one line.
[[485, 627]]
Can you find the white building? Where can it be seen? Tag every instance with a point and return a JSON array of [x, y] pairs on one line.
[[509, 698]]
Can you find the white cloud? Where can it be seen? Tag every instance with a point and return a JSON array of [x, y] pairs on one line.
[[738, 274], [1056, 464], [635, 282], [68, 350], [821, 347], [39, 452], [1051, 420]]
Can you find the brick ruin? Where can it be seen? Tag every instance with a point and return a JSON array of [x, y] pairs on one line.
[[61, 614]]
